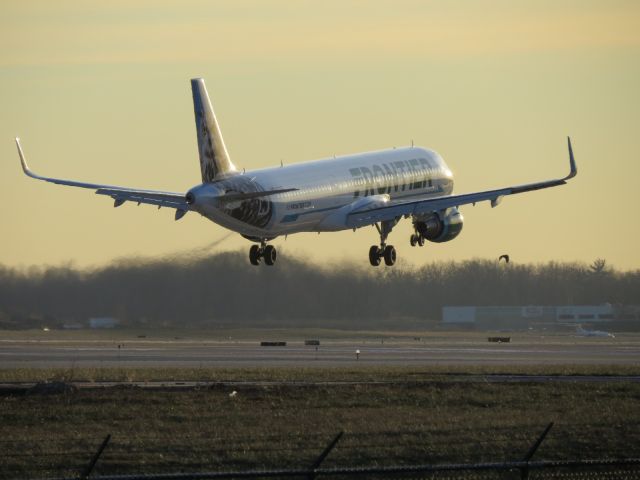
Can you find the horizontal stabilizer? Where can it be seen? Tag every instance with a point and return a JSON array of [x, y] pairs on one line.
[[238, 196]]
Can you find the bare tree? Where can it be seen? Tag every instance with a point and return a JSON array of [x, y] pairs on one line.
[[598, 266], [222, 289]]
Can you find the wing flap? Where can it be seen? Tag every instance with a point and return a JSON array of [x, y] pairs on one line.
[[140, 196]]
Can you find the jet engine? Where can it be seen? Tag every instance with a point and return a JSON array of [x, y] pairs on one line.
[[441, 226]]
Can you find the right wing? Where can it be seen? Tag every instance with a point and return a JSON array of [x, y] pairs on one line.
[[392, 210]]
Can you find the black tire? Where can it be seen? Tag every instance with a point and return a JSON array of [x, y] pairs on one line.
[[270, 254], [389, 255], [413, 240], [420, 241], [374, 255], [254, 255]]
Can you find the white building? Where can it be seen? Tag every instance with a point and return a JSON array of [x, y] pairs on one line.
[[459, 315], [103, 322], [585, 313], [517, 317]]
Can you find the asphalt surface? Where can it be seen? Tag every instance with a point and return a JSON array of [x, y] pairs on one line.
[[38, 354]]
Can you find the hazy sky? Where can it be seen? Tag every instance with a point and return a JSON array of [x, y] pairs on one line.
[[99, 91]]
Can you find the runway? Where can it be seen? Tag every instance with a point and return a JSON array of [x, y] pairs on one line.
[[167, 353]]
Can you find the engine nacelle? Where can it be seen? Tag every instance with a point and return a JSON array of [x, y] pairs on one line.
[[440, 227]]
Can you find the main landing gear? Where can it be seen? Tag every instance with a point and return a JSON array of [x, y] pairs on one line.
[[384, 251], [377, 253], [416, 239], [261, 252]]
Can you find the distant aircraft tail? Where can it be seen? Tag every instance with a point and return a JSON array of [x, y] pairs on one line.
[[214, 159]]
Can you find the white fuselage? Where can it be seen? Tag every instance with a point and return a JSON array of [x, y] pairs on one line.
[[322, 187]]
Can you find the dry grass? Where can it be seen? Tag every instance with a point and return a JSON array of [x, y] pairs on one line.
[[300, 374], [443, 420]]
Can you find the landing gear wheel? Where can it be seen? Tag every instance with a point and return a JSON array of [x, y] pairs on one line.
[[420, 240], [270, 254], [374, 255], [389, 255], [413, 240], [254, 255], [385, 251]]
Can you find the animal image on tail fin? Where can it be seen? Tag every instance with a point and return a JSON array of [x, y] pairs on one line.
[[214, 159]]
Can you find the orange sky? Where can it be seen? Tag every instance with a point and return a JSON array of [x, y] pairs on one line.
[[101, 93]]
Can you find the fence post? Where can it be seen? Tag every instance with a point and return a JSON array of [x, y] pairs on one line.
[[524, 471], [87, 471], [323, 455]]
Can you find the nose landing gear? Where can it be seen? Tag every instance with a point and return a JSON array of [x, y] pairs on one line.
[[261, 252]]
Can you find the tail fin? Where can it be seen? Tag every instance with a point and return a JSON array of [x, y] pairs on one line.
[[214, 159]]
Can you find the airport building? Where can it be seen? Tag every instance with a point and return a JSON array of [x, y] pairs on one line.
[[103, 322], [524, 317]]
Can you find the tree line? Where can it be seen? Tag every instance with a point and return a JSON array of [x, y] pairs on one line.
[[222, 289]]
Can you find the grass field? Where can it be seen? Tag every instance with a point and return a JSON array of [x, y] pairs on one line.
[[425, 416], [292, 334], [301, 374], [211, 334]]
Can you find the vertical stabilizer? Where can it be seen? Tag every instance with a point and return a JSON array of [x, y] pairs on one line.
[[214, 159]]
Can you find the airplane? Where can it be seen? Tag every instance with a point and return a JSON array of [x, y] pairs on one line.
[[342, 193], [581, 332]]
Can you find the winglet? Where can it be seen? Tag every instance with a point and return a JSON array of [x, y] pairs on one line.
[[23, 161], [572, 162]]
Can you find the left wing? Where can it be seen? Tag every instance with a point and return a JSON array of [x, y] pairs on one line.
[[360, 218], [181, 202], [119, 194]]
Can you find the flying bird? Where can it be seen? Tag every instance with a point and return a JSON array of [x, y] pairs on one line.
[[505, 256]]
